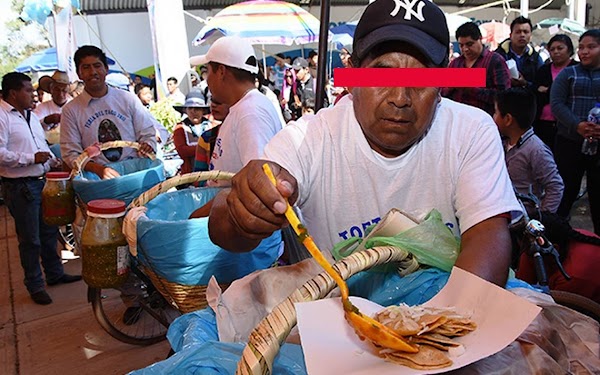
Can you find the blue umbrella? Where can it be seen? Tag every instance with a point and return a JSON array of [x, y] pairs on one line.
[[343, 34], [44, 60]]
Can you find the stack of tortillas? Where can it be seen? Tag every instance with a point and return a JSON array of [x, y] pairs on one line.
[[432, 330]]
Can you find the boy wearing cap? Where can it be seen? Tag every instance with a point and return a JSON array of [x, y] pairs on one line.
[[252, 120], [383, 148], [49, 111], [187, 132], [101, 114]]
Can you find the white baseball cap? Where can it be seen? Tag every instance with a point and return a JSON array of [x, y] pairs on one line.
[[232, 51]]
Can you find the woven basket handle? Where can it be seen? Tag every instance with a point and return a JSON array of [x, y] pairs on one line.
[[82, 159], [266, 339], [187, 178]]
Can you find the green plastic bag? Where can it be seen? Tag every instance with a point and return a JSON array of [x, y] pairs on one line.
[[431, 242]]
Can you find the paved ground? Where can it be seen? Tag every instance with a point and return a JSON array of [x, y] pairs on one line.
[[62, 338]]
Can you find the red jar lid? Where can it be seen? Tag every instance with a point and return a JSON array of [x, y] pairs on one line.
[[106, 206], [58, 175]]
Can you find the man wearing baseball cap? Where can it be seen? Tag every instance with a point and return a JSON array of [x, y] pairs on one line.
[[252, 119], [49, 112], [381, 148]]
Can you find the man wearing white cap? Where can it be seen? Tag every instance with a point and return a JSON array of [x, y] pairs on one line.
[[49, 112], [252, 119]]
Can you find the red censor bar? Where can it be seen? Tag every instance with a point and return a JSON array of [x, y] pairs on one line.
[[409, 77]]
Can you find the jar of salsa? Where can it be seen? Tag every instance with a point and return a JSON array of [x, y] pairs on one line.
[[104, 250], [58, 199]]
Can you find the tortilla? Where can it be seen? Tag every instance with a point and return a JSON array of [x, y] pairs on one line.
[[431, 329]]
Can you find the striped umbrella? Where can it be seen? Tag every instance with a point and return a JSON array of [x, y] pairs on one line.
[[262, 22]]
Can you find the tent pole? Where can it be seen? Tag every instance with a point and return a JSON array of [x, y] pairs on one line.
[[264, 62], [322, 65]]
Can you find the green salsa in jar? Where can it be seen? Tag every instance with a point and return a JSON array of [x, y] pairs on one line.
[[105, 254], [58, 199]]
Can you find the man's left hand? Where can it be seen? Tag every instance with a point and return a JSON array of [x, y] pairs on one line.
[[145, 149]]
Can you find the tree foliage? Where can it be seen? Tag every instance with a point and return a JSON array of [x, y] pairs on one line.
[[22, 40]]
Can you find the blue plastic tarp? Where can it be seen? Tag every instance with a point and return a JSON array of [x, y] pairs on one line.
[[180, 250], [137, 176]]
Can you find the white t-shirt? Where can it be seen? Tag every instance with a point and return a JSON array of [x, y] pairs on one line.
[[45, 109], [248, 127], [344, 186], [118, 115]]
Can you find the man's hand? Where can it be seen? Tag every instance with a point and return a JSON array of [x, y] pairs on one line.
[[53, 119], [252, 209], [543, 89], [41, 157], [145, 149], [518, 82], [588, 129], [103, 172]]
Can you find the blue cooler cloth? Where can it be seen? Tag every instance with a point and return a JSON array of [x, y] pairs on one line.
[[180, 250]]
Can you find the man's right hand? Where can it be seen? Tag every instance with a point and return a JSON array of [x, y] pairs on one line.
[[103, 172], [53, 119], [41, 157], [253, 209]]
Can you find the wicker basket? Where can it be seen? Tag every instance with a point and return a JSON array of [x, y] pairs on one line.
[[184, 298], [78, 165], [81, 161], [266, 339]]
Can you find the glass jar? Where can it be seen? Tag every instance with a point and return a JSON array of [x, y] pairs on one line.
[[58, 199], [104, 250]]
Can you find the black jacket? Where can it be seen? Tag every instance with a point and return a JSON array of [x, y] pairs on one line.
[[530, 63], [543, 77]]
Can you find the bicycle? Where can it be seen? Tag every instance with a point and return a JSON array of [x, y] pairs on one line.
[[150, 322], [531, 240]]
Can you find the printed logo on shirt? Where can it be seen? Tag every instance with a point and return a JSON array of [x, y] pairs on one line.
[[217, 153], [104, 112], [108, 131], [358, 230]]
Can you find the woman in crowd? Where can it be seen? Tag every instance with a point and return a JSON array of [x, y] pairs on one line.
[[574, 93], [288, 92], [561, 53]]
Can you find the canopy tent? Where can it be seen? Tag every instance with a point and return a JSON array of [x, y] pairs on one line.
[[563, 24], [262, 22], [42, 61]]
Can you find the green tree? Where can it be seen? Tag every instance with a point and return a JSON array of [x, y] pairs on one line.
[[18, 45]]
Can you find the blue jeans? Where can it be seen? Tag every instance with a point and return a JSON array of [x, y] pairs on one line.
[[36, 239]]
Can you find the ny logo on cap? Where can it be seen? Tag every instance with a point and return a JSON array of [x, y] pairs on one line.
[[409, 6]]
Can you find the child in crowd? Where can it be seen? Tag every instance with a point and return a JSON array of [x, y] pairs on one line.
[[529, 161]]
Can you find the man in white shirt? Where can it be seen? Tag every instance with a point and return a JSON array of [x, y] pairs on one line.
[[102, 114], [24, 160], [49, 112], [174, 93], [382, 148], [252, 120]]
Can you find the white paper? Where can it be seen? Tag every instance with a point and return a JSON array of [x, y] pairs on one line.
[[331, 347], [512, 68]]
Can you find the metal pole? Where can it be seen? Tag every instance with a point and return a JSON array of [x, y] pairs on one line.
[[322, 65], [525, 8]]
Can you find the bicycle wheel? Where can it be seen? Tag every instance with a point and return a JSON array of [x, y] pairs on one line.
[[149, 323], [578, 303], [66, 237]]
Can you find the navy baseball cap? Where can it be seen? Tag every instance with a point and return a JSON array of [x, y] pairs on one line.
[[419, 23]]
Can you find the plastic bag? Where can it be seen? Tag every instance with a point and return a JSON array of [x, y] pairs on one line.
[[197, 349], [180, 250], [431, 242], [137, 176]]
